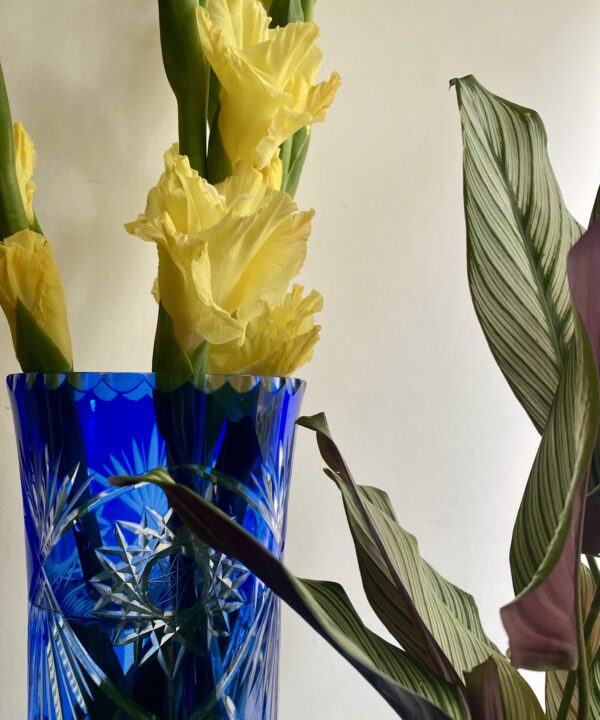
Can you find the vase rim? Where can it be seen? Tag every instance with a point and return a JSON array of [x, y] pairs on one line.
[[125, 381]]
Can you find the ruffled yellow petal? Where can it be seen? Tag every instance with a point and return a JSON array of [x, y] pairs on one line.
[[243, 192], [25, 161], [224, 251], [189, 200], [256, 257], [184, 286], [242, 24], [29, 273], [278, 341], [267, 78]]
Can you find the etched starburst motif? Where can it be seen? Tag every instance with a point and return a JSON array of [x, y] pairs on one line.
[[52, 500], [161, 585], [225, 594]]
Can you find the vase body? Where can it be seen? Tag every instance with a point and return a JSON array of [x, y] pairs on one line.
[[130, 616]]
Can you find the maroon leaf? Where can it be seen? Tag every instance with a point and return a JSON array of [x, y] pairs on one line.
[[483, 691], [432, 653], [542, 624], [357, 644], [583, 267]]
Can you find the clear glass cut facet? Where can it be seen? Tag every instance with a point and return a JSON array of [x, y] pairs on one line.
[[130, 615]]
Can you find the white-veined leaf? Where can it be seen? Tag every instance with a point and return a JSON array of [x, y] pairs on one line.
[[556, 681], [393, 570], [542, 622], [519, 232], [583, 267], [409, 687]]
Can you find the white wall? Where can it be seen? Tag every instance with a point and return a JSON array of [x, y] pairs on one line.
[[402, 370]]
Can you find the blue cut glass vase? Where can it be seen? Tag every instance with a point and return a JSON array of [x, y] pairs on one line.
[[130, 616]]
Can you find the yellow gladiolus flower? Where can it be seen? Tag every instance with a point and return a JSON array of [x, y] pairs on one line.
[[273, 172], [277, 342], [267, 77], [25, 160], [224, 250], [28, 273]]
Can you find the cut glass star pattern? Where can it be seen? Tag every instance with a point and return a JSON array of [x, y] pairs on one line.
[[130, 616]]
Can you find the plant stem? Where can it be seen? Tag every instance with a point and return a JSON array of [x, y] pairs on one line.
[[191, 115], [592, 615], [568, 691], [581, 674], [188, 74], [593, 565], [308, 6]]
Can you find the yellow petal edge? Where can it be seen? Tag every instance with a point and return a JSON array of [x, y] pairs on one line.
[[227, 255], [278, 341], [25, 161], [267, 77], [28, 273]]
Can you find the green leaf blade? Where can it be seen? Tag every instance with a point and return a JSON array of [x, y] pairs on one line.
[[483, 688], [542, 622], [34, 348], [411, 689], [519, 232], [400, 586]]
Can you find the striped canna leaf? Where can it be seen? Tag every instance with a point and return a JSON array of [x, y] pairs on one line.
[[556, 698], [519, 232], [584, 278], [406, 684], [396, 578], [543, 621]]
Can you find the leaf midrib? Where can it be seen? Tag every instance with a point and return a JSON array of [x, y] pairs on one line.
[[533, 257]]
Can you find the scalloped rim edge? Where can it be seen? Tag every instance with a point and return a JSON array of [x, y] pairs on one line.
[[127, 382]]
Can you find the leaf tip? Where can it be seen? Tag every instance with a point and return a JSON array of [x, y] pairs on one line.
[[317, 422]]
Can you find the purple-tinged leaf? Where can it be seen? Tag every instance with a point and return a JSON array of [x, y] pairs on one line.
[[484, 693], [542, 622], [421, 642], [389, 559], [591, 525], [583, 267], [561, 692], [411, 689]]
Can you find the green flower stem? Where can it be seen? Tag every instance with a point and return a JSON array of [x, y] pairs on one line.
[[285, 155], [283, 12], [191, 115], [308, 7], [293, 151], [12, 213], [218, 166], [300, 143], [188, 74]]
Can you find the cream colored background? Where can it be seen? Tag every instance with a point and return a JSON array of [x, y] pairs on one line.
[[402, 370]]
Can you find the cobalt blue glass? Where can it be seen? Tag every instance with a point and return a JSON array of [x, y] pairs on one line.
[[130, 616]]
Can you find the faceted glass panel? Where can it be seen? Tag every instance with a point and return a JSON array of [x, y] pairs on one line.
[[130, 615]]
